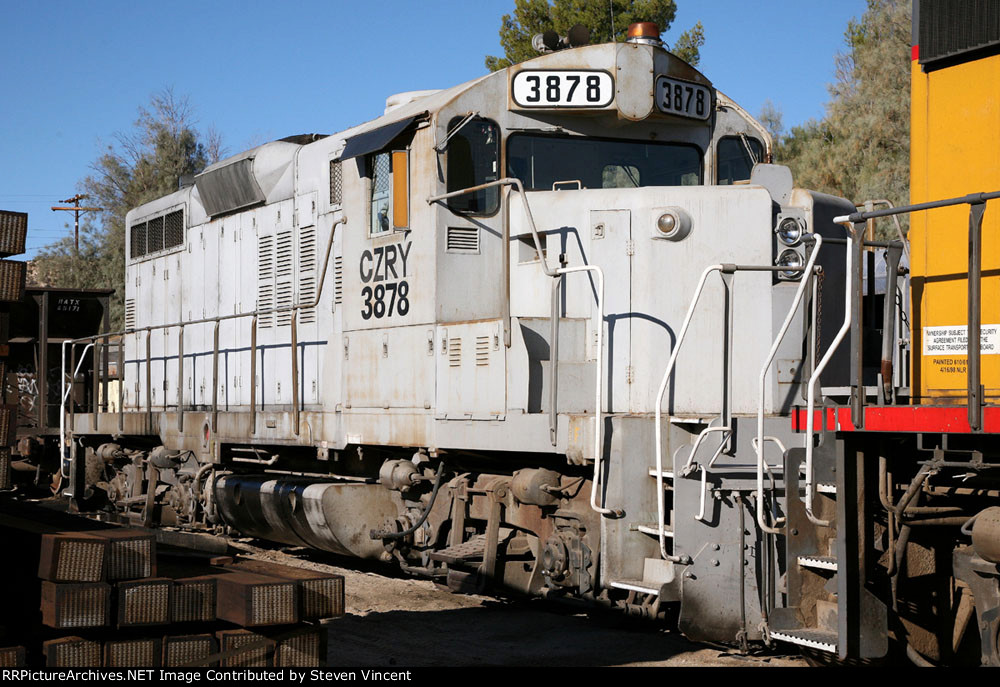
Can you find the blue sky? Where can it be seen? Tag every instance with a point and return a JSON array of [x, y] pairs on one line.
[[74, 73]]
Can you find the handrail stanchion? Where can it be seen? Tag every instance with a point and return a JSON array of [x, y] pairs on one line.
[[807, 274]]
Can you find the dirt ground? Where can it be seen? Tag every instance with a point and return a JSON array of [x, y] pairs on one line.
[[393, 620]]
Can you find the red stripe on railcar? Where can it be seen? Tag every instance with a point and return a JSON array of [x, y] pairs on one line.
[[951, 419]]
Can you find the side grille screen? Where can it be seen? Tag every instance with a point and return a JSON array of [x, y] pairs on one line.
[[173, 229], [156, 234], [336, 183]]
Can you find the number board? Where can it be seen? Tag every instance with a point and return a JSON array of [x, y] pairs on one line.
[[551, 88], [683, 98]]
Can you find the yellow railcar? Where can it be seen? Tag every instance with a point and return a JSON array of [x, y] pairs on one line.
[[954, 150]]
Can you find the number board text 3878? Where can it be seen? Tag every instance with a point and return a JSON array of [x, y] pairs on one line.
[[559, 88]]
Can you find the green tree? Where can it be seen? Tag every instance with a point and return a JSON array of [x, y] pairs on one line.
[[688, 45], [860, 149], [142, 164], [770, 116], [532, 17]]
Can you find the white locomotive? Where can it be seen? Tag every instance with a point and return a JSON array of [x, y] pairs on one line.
[[464, 337]]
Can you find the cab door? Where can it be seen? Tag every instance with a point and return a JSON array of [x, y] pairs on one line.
[[611, 249]]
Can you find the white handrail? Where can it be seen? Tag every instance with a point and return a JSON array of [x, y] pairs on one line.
[[811, 399], [806, 276], [62, 403], [599, 425], [660, 505]]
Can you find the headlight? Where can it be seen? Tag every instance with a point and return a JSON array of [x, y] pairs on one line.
[[790, 258], [789, 231], [673, 223]]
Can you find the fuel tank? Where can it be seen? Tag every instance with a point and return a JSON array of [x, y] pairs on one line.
[[332, 516]]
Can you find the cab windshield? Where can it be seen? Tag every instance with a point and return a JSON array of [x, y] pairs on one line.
[[546, 162]]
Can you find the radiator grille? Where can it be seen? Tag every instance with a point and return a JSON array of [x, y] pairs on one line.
[[463, 239], [154, 235], [455, 352], [180, 651], [72, 652], [173, 229], [144, 603], [251, 658], [193, 601], [302, 650], [322, 598], [273, 604], [482, 351], [137, 240], [336, 183], [131, 653]]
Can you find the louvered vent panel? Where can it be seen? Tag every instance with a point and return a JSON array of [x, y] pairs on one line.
[[455, 352], [284, 291], [338, 280], [482, 350], [137, 240], [307, 273], [336, 183], [173, 229], [154, 235], [463, 239], [265, 281], [129, 313]]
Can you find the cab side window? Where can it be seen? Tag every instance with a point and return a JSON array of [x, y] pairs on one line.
[[473, 158], [379, 175], [736, 156]]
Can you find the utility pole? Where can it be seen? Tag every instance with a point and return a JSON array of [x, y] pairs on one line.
[[76, 209]]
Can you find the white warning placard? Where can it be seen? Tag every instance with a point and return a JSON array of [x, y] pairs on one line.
[[939, 341]]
